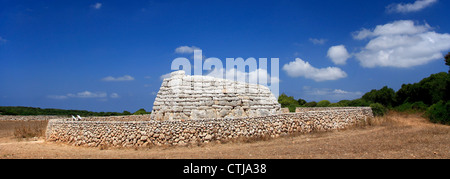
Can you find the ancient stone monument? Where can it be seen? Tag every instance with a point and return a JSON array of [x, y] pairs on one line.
[[185, 97]]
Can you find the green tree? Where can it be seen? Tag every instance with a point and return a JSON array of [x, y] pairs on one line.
[[126, 113], [384, 96], [378, 109], [429, 90], [140, 112], [323, 103], [311, 104], [447, 61], [447, 86], [301, 101], [286, 101], [439, 112]]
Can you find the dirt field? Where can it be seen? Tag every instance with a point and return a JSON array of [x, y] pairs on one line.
[[394, 136]]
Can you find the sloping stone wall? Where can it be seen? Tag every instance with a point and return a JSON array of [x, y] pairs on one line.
[[145, 133], [184, 97]]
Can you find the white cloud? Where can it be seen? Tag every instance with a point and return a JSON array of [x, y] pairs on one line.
[[97, 5], [300, 68], [114, 95], [401, 27], [339, 91], [401, 44], [338, 54], [317, 41], [186, 49], [88, 94], [405, 8], [84, 94], [122, 78], [318, 94], [57, 97], [162, 77]]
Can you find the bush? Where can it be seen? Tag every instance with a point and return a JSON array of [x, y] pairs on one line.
[[358, 102], [415, 107], [311, 104], [404, 107], [384, 96], [323, 103], [419, 106], [141, 112], [292, 107], [336, 105], [286, 101], [439, 113], [378, 109]]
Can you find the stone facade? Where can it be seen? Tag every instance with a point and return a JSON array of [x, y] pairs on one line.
[[184, 97], [118, 133]]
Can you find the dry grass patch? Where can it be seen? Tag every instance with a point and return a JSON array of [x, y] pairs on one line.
[[30, 129]]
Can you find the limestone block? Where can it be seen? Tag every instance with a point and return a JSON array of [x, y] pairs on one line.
[[200, 97]]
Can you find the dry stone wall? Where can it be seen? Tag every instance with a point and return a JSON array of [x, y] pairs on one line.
[[145, 133], [184, 97], [28, 118]]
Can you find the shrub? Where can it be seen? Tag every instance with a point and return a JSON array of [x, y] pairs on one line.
[[311, 104], [419, 106], [141, 112], [285, 100], [378, 109], [292, 107], [439, 113], [404, 107], [383, 96], [323, 103], [336, 105], [358, 102]]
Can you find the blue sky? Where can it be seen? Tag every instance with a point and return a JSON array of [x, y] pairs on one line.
[[110, 55]]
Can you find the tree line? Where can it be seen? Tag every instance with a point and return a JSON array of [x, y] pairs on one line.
[[20, 110], [431, 95]]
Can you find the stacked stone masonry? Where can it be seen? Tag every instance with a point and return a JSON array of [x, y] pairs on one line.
[[118, 133], [184, 97]]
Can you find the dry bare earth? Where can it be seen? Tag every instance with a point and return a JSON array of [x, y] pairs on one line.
[[394, 136]]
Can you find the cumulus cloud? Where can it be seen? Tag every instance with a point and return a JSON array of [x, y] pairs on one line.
[[186, 49], [84, 94], [401, 27], [114, 95], [300, 68], [97, 5], [410, 7], [122, 78], [59, 97], [88, 94], [330, 94], [401, 44], [338, 54], [162, 77], [317, 41]]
